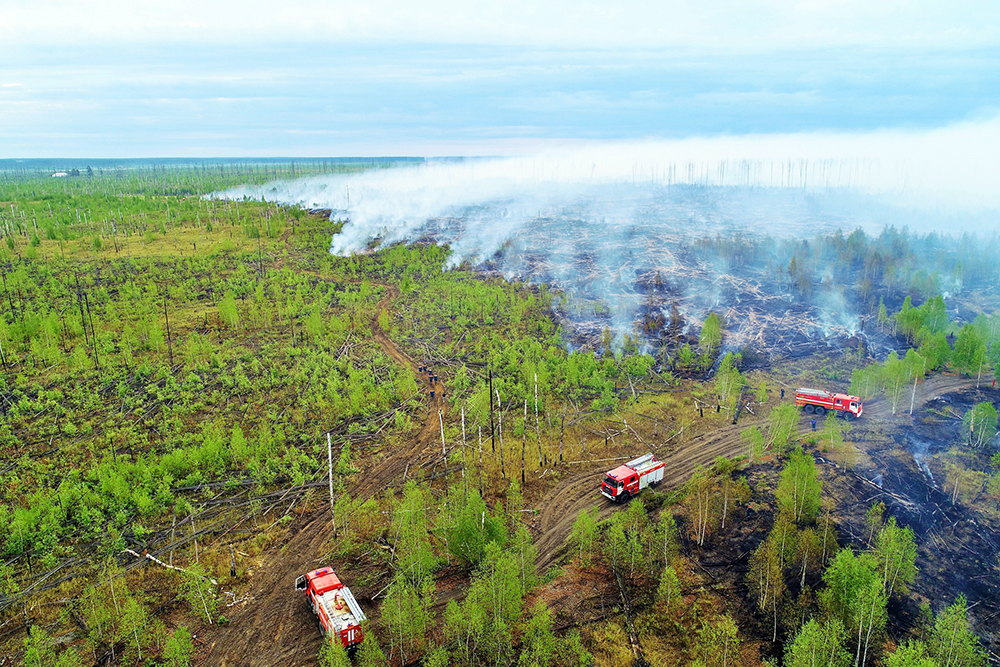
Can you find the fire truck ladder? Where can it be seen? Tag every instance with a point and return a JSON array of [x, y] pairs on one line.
[[353, 604]]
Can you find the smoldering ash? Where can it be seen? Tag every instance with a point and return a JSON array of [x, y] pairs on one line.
[[624, 229]]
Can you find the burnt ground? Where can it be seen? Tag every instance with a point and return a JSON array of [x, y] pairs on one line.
[[958, 545], [900, 464], [274, 626]]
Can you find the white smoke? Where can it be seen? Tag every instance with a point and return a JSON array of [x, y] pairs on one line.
[[953, 167], [596, 219]]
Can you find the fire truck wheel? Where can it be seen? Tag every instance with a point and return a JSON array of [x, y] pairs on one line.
[[820, 410], [810, 408], [849, 416]]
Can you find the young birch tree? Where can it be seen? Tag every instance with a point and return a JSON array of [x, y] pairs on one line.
[[799, 488]]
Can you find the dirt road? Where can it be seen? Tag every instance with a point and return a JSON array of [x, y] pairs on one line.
[[275, 627], [579, 491]]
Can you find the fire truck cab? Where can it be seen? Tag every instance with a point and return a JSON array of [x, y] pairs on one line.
[[339, 614], [620, 484], [820, 401]]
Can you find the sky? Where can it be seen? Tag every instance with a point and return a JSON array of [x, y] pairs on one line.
[[443, 77]]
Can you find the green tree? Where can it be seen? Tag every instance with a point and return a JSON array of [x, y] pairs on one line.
[[439, 657], [917, 366], [908, 318], [570, 651], [952, 642], [665, 539], [910, 654], [855, 595], [735, 493], [685, 356], [370, 653], [993, 487], [970, 351], [178, 649], [199, 592], [537, 640], [766, 579], [711, 333], [669, 588], [133, 621], [874, 520], [896, 551], [935, 349], [407, 616], [866, 382], [480, 628], [718, 642], [39, 651], [703, 504], [993, 358], [315, 323], [780, 424], [415, 558], [522, 547], [980, 424], [229, 312], [728, 380], [895, 377], [818, 645], [754, 441], [834, 429], [799, 488], [785, 535], [883, 315], [475, 527], [808, 553]]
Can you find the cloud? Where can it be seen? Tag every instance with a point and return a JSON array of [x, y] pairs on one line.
[[448, 100], [728, 26]]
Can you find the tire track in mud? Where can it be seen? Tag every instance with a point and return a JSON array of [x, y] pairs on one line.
[[562, 504], [385, 472], [928, 390], [276, 627]]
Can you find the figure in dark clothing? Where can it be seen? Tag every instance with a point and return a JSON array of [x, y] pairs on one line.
[[813, 422]]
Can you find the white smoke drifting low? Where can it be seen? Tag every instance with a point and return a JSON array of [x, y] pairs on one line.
[[597, 219]]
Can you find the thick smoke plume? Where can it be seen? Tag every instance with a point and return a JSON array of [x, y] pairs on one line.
[[611, 224]]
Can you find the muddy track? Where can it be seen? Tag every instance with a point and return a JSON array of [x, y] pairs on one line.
[[578, 492], [936, 385], [400, 462], [276, 627]]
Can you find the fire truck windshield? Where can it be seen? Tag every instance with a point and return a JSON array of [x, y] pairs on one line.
[[612, 482]]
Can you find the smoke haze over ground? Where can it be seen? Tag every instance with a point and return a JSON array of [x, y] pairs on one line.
[[617, 226]]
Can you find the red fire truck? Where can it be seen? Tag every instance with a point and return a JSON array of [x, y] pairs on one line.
[[339, 614], [620, 484], [820, 401]]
